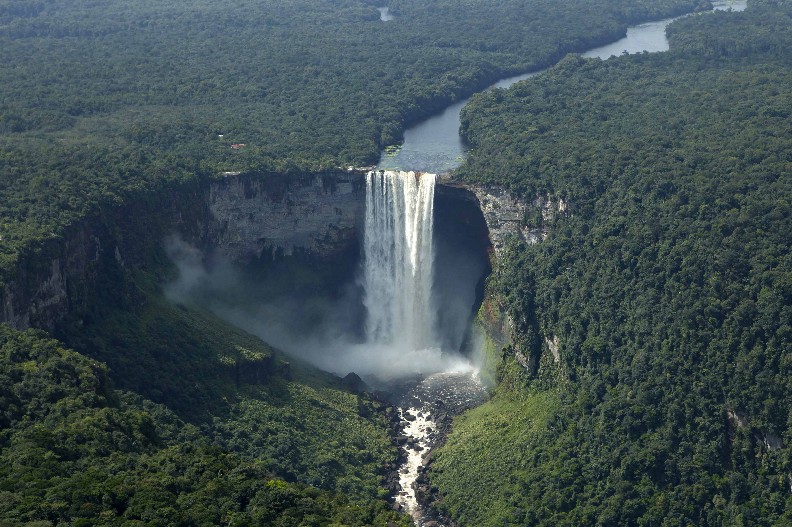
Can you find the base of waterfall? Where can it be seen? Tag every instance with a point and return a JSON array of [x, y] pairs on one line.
[[425, 411], [382, 363]]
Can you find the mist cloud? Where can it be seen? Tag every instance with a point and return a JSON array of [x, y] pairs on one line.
[[324, 330]]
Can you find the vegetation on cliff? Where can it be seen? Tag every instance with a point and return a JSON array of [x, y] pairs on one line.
[[667, 284], [73, 448]]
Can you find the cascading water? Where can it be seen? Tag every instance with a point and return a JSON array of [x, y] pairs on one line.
[[398, 260], [398, 273]]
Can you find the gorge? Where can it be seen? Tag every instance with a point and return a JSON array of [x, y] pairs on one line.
[[378, 277]]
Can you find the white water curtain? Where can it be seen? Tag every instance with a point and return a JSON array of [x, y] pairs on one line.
[[399, 259]]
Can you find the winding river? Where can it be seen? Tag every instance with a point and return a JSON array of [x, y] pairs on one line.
[[434, 145]]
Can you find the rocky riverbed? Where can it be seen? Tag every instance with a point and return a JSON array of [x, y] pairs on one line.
[[424, 410]]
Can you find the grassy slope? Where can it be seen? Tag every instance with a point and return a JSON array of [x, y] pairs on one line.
[[478, 469]]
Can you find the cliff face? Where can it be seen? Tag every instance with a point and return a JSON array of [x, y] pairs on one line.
[[508, 216], [314, 214], [40, 292], [242, 217], [67, 274]]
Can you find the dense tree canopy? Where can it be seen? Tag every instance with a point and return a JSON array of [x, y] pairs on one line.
[[75, 450], [667, 286]]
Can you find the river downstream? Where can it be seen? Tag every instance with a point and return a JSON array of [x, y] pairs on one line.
[[426, 408]]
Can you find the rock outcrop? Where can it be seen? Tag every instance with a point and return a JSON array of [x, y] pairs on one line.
[[280, 215], [240, 216], [509, 217]]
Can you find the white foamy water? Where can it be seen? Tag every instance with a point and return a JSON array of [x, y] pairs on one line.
[[425, 410], [398, 260], [385, 15], [419, 426]]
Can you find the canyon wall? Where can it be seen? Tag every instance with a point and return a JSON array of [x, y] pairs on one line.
[[242, 217], [66, 274], [239, 216], [509, 217], [251, 217]]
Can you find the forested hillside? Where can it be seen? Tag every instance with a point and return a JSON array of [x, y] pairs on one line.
[[76, 451], [99, 100], [666, 286], [176, 418]]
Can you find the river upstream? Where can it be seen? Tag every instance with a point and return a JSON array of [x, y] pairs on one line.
[[434, 145], [427, 405]]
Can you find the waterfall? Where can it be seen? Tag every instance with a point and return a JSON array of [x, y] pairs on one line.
[[398, 260]]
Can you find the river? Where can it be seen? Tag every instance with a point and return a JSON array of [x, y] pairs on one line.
[[434, 145], [426, 406]]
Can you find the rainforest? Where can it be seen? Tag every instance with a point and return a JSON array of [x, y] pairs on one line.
[[216, 309]]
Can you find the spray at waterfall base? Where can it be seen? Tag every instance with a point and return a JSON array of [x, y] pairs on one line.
[[407, 290], [401, 320], [398, 271]]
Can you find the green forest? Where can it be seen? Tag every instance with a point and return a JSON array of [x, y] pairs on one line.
[[149, 413], [666, 285], [76, 450]]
